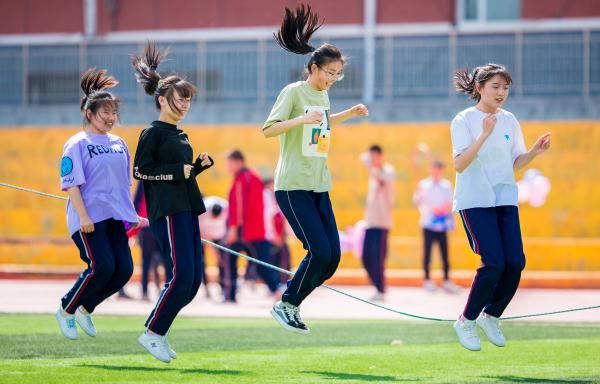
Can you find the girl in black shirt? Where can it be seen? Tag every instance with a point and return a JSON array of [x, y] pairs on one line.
[[164, 163]]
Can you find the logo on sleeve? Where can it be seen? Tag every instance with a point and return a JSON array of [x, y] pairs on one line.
[[507, 137], [66, 166]]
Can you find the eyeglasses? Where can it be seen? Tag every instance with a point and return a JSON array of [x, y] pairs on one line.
[[333, 75], [182, 101]]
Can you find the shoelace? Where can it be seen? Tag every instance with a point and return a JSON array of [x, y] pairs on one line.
[[297, 316], [70, 323], [290, 311]]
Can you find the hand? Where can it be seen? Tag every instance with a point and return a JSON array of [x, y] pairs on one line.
[[542, 144], [86, 224], [205, 160], [314, 117], [359, 110], [278, 240], [232, 236], [187, 170], [143, 222], [489, 122]]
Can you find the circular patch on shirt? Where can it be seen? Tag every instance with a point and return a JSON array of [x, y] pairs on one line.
[[66, 166]]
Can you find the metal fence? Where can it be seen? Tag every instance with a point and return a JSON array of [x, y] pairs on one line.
[[413, 67]]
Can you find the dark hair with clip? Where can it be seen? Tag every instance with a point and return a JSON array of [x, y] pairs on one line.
[[466, 82], [297, 27], [146, 66], [94, 85]]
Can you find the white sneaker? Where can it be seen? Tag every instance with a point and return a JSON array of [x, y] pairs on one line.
[[85, 322], [170, 351], [155, 344], [429, 285], [491, 328], [450, 287], [67, 325], [379, 297], [466, 330]]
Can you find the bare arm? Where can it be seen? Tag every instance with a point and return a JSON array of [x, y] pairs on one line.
[[87, 226], [462, 161], [280, 127], [356, 111], [540, 146]]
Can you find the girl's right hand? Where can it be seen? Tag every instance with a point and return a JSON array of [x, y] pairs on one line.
[[187, 170], [86, 224], [489, 122], [314, 117]]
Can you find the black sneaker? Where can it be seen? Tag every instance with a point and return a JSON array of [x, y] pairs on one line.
[[288, 316]]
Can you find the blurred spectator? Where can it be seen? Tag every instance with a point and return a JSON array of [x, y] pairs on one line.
[[246, 224], [151, 259], [378, 217], [213, 227], [433, 197], [276, 230]]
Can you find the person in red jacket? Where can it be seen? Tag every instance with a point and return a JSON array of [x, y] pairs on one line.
[[246, 226]]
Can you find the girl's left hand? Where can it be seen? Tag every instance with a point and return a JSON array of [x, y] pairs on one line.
[[205, 160], [542, 144], [359, 110]]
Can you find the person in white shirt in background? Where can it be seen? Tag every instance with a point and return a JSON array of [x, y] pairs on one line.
[[433, 196], [378, 217], [276, 229], [214, 228]]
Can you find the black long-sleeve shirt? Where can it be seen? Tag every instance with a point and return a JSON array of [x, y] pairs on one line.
[[162, 151]]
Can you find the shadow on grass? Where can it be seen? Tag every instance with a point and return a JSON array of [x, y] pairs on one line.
[[358, 377], [133, 368], [520, 379]]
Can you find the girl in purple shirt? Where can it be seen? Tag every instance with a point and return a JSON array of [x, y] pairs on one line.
[[94, 171]]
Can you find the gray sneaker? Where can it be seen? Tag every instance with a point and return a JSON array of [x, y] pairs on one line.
[[288, 316]]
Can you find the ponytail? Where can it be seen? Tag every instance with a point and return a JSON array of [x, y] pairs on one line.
[[94, 85], [146, 73], [295, 32], [146, 66], [464, 82], [297, 27]]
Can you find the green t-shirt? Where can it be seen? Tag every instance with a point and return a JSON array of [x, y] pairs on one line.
[[303, 149]]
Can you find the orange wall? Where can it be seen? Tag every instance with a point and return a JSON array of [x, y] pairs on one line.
[[563, 234]]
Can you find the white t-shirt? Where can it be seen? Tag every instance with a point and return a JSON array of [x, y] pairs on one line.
[[271, 209], [489, 181], [429, 196], [214, 228]]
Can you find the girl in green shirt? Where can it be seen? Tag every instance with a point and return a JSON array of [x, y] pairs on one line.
[[301, 120]]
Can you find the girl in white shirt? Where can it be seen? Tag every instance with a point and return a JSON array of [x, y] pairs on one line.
[[488, 146]]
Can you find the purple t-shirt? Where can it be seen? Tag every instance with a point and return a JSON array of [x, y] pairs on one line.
[[99, 165]]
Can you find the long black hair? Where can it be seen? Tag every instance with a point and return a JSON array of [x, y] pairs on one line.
[[94, 85], [465, 82], [146, 73], [297, 27]]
